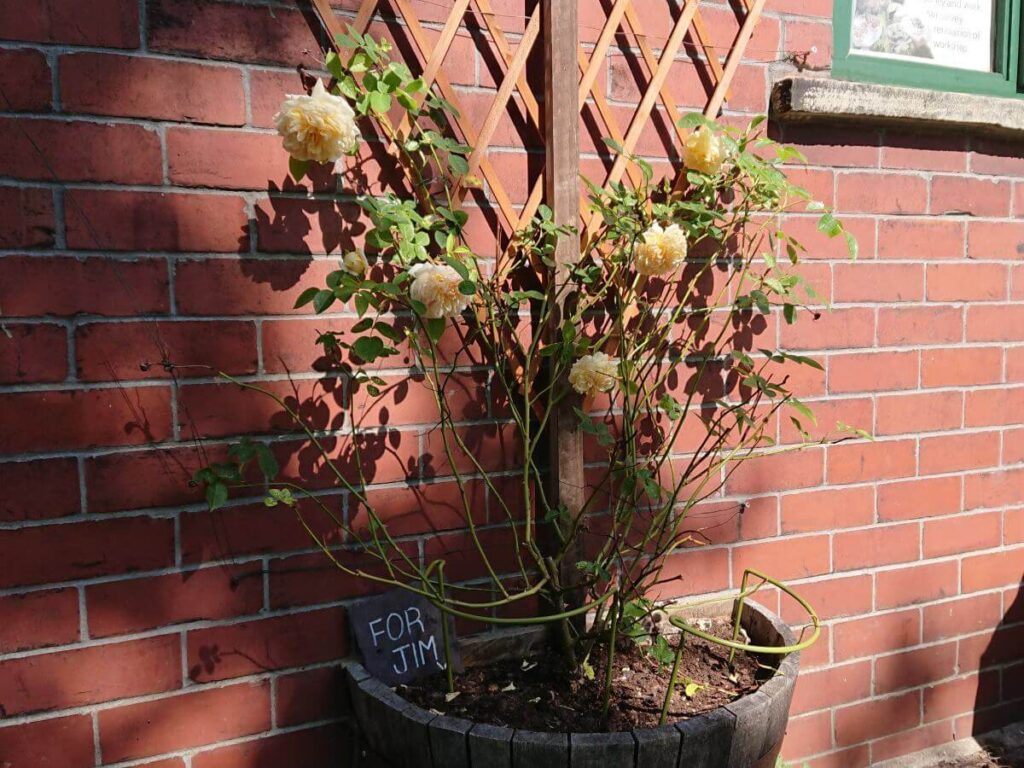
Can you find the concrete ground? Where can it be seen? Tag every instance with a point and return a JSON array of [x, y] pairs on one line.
[[999, 749]]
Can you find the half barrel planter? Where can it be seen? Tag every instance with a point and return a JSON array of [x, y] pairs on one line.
[[746, 733]]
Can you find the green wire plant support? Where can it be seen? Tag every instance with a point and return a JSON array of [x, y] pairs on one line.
[[734, 644]]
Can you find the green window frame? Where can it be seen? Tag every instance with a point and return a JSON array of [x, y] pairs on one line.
[[1006, 80]]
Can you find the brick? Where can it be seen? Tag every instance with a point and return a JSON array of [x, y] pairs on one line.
[[964, 694], [809, 735], [116, 482], [223, 592], [854, 757], [843, 328], [923, 497], [820, 246], [993, 569], [267, 89], [991, 648], [127, 351], [222, 30], [921, 152], [1015, 365], [786, 558], [303, 226], [995, 322], [966, 282], [994, 240], [106, 23], [79, 151], [961, 366], [881, 193], [878, 717], [832, 597], [136, 86], [26, 217], [878, 545], [916, 584], [920, 325], [839, 147], [317, 746], [996, 157], [315, 694], [217, 410], [783, 471], [155, 221], [994, 489], [32, 354], [220, 653], [911, 238], [39, 490], [915, 667], [872, 371], [810, 37], [25, 80], [926, 412], [245, 286], [57, 741], [60, 285], [833, 685], [693, 572], [199, 157], [871, 635], [982, 409], [911, 741], [235, 532], [38, 619], [977, 197], [962, 533], [184, 721], [827, 510], [961, 616], [857, 462], [313, 579], [43, 555], [1013, 526], [866, 281], [83, 418], [83, 676]]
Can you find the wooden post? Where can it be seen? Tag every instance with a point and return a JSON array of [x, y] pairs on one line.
[[561, 187]]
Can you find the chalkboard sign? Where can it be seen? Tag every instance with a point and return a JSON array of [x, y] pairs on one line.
[[399, 634]]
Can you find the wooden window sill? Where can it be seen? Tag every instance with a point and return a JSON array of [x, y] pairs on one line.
[[822, 99]]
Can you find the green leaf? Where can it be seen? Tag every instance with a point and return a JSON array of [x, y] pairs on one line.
[[369, 348], [297, 168], [803, 410], [267, 462], [789, 312], [458, 164], [851, 244], [322, 300], [467, 288], [306, 296], [216, 495], [380, 102], [436, 327]]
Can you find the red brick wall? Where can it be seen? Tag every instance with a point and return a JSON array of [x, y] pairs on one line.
[[142, 219]]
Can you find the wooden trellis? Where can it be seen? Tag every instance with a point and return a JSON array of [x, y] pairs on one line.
[[621, 18], [555, 23]]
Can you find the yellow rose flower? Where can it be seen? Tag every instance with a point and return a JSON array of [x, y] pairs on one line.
[[437, 288], [703, 151], [593, 374], [354, 263], [662, 251], [320, 127]]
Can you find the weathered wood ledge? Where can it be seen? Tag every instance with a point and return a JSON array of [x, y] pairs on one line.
[[823, 100]]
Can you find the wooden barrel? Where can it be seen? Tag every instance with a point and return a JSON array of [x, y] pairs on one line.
[[744, 734]]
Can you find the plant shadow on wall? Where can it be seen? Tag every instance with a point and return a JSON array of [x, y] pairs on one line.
[[450, 366]]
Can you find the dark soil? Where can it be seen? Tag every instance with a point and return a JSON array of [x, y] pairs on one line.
[[538, 694]]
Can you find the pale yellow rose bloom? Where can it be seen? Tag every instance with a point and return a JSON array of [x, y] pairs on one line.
[[661, 252], [437, 288], [703, 151], [354, 263], [320, 127], [593, 374]]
